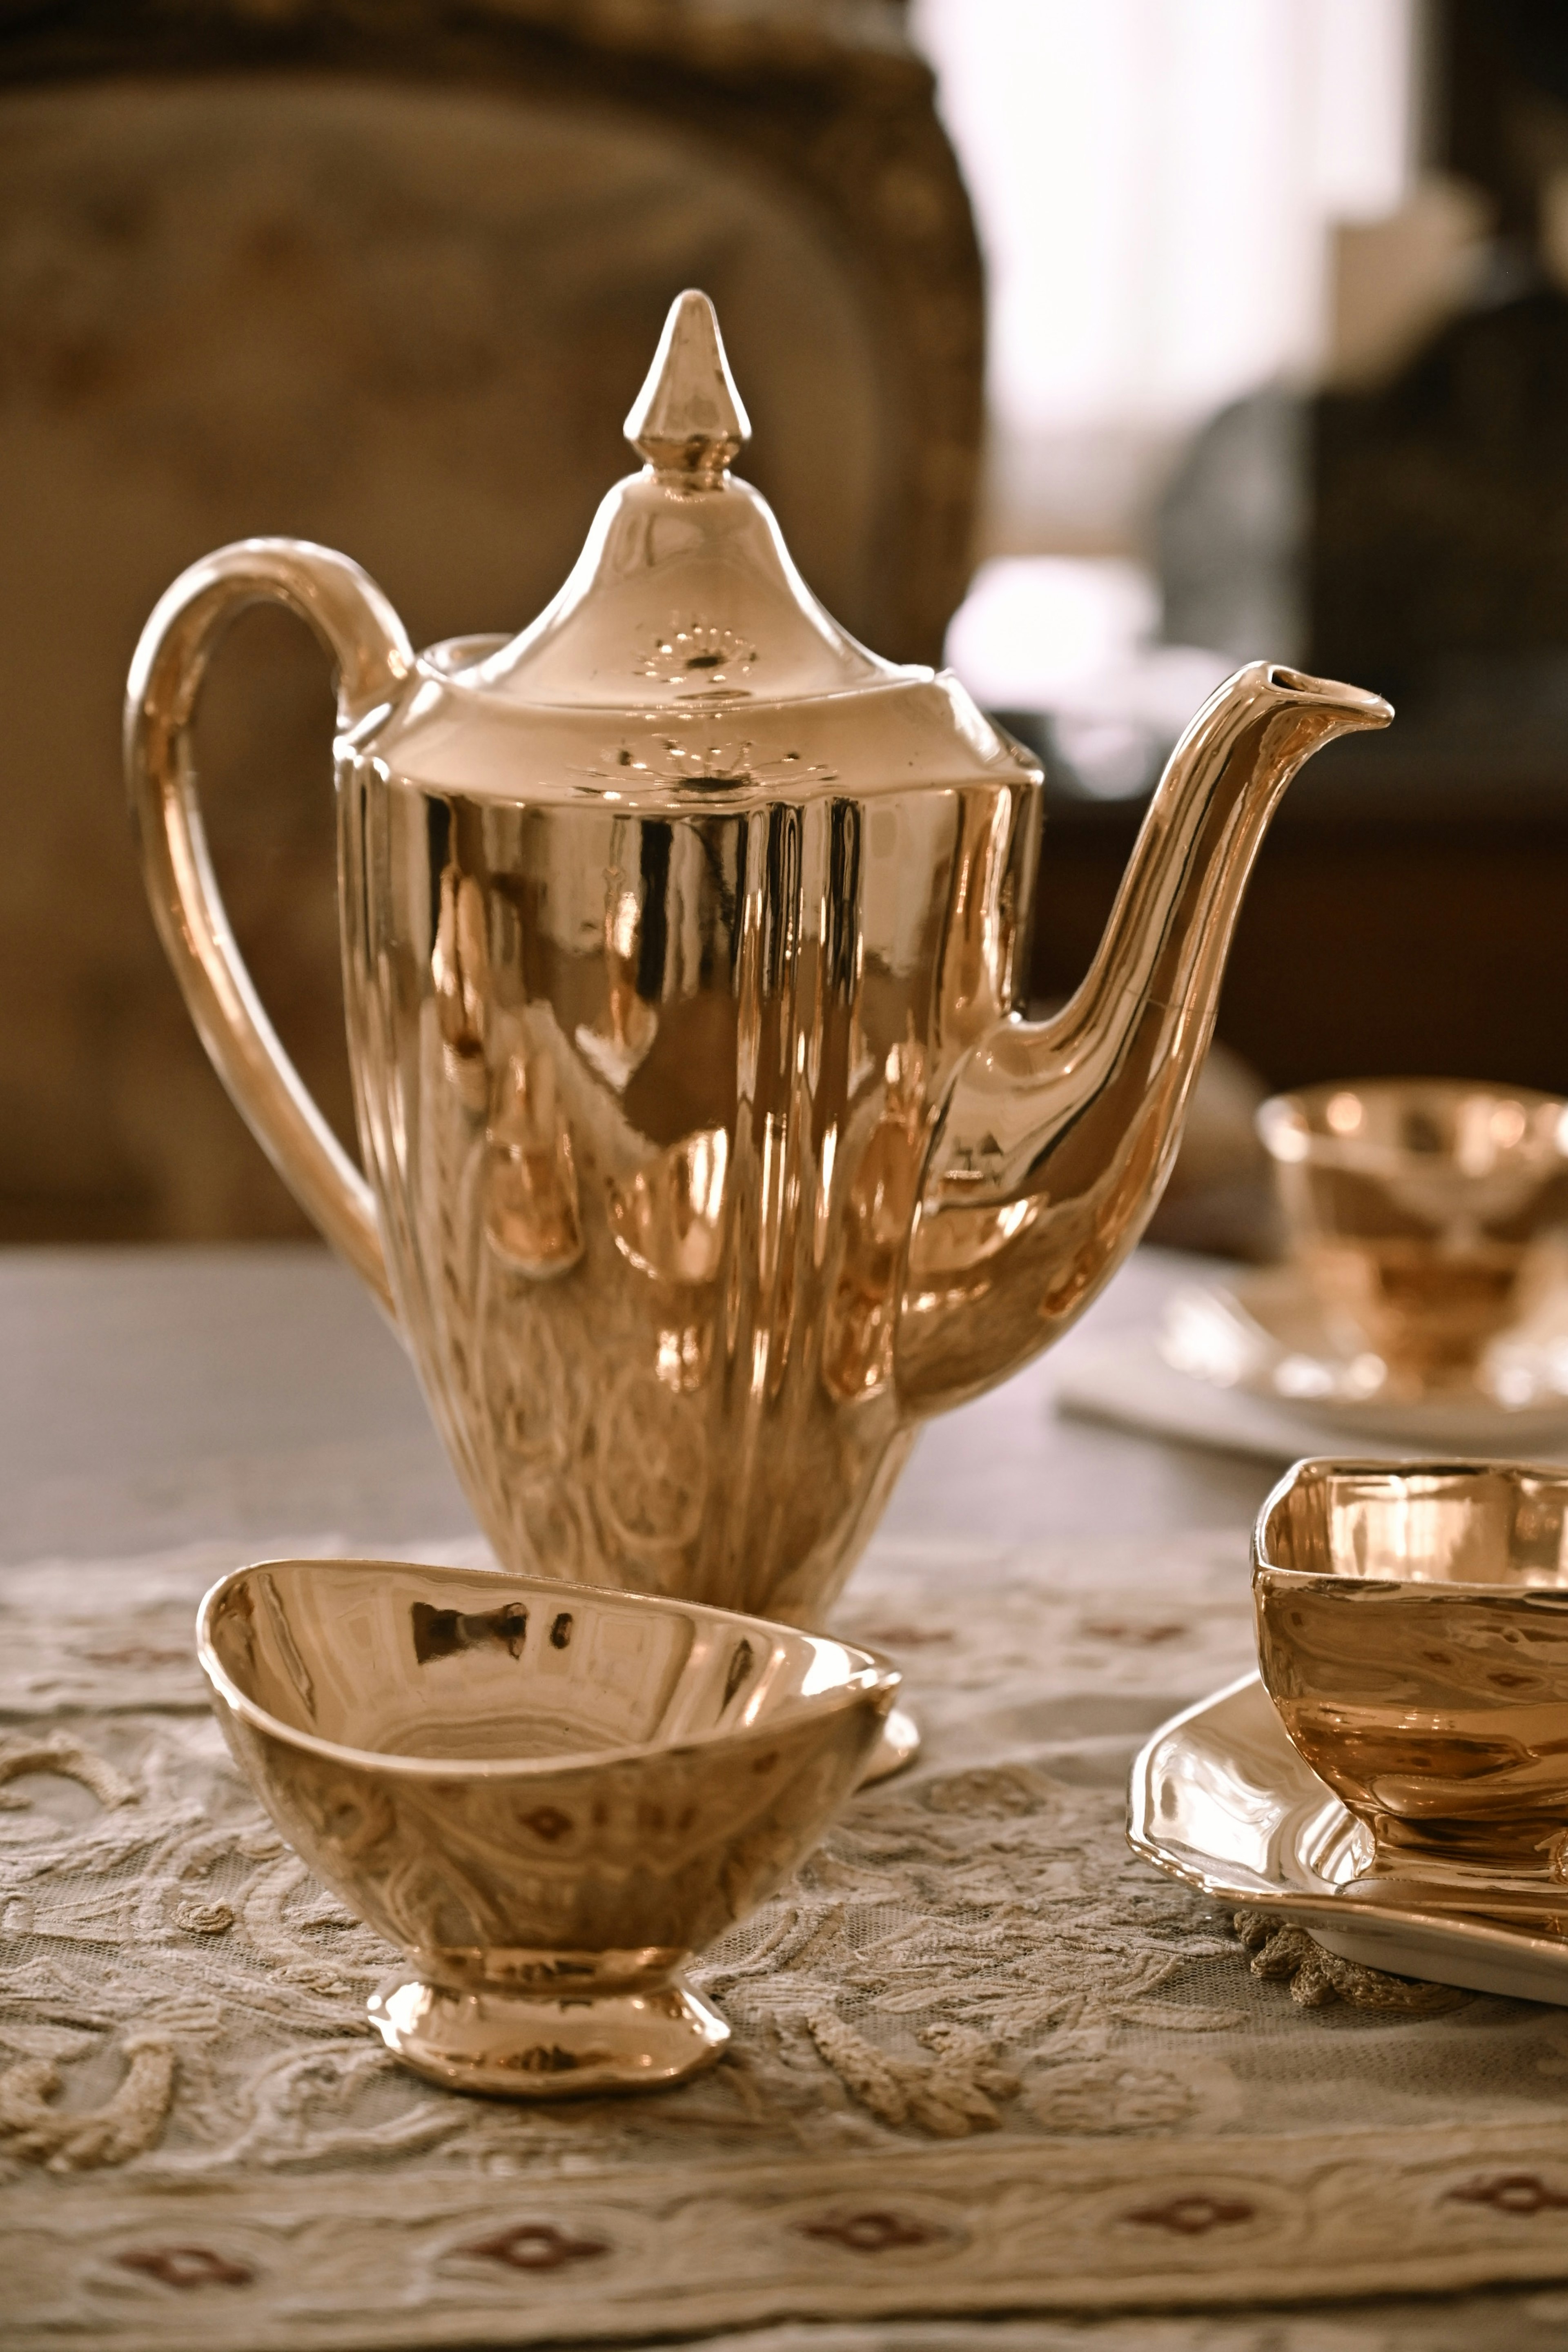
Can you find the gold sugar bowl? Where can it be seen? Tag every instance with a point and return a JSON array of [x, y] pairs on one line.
[[548, 1798]]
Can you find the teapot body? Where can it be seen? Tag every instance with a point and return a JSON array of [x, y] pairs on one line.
[[646, 1081]]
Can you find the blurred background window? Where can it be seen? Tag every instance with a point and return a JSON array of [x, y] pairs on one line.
[[1276, 366], [1278, 369], [1155, 183]]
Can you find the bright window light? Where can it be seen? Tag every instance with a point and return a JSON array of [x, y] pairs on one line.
[[1153, 181]]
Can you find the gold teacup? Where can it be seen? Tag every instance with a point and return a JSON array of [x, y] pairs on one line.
[[1426, 1214], [547, 1797], [1413, 1633]]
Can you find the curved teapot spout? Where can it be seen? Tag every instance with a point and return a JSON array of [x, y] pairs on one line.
[[1057, 1136]]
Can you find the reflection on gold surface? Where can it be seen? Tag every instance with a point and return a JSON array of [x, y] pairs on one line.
[[532, 1220], [460, 977], [624, 1038], [879, 1202], [668, 1219], [535, 1792], [680, 953], [1413, 1633]]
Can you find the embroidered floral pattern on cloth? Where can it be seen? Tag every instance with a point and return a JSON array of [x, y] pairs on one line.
[[983, 2059]]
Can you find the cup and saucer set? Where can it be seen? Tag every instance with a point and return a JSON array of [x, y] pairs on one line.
[[1423, 1297], [1395, 1777]]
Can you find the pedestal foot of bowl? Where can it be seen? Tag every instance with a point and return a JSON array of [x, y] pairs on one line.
[[514, 2045], [898, 1745]]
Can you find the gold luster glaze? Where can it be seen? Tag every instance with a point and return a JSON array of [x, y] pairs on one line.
[[1413, 1633], [704, 1148], [1428, 1215], [547, 1798], [1219, 1798]]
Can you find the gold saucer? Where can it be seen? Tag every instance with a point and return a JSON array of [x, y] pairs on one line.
[[1267, 1334], [1218, 1797]]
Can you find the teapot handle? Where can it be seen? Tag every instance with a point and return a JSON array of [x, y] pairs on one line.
[[371, 649]]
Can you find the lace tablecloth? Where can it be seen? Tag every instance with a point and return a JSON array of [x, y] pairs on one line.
[[984, 2060]]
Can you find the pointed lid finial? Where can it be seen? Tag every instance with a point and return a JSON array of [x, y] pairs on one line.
[[688, 417]]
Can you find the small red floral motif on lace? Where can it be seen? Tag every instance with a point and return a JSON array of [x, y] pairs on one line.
[[1192, 2217], [903, 1637], [1511, 2192], [535, 2246], [134, 1653], [1143, 1636], [547, 1824], [186, 2266], [871, 2233]]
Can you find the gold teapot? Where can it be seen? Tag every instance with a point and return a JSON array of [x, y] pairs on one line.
[[705, 1151]]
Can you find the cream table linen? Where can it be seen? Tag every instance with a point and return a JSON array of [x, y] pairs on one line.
[[984, 2063]]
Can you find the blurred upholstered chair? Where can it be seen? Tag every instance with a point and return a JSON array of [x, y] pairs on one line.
[[388, 277]]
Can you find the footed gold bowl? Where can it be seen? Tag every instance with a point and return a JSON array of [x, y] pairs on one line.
[[547, 1797]]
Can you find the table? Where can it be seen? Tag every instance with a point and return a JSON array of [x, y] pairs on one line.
[[150, 1397]]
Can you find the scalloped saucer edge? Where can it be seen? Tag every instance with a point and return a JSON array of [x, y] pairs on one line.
[[1219, 1798]]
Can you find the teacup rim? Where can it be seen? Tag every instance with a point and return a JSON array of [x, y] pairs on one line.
[[1299, 1101], [873, 1675], [1553, 1473]]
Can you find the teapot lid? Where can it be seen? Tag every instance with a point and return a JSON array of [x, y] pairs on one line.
[[685, 654], [685, 596]]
